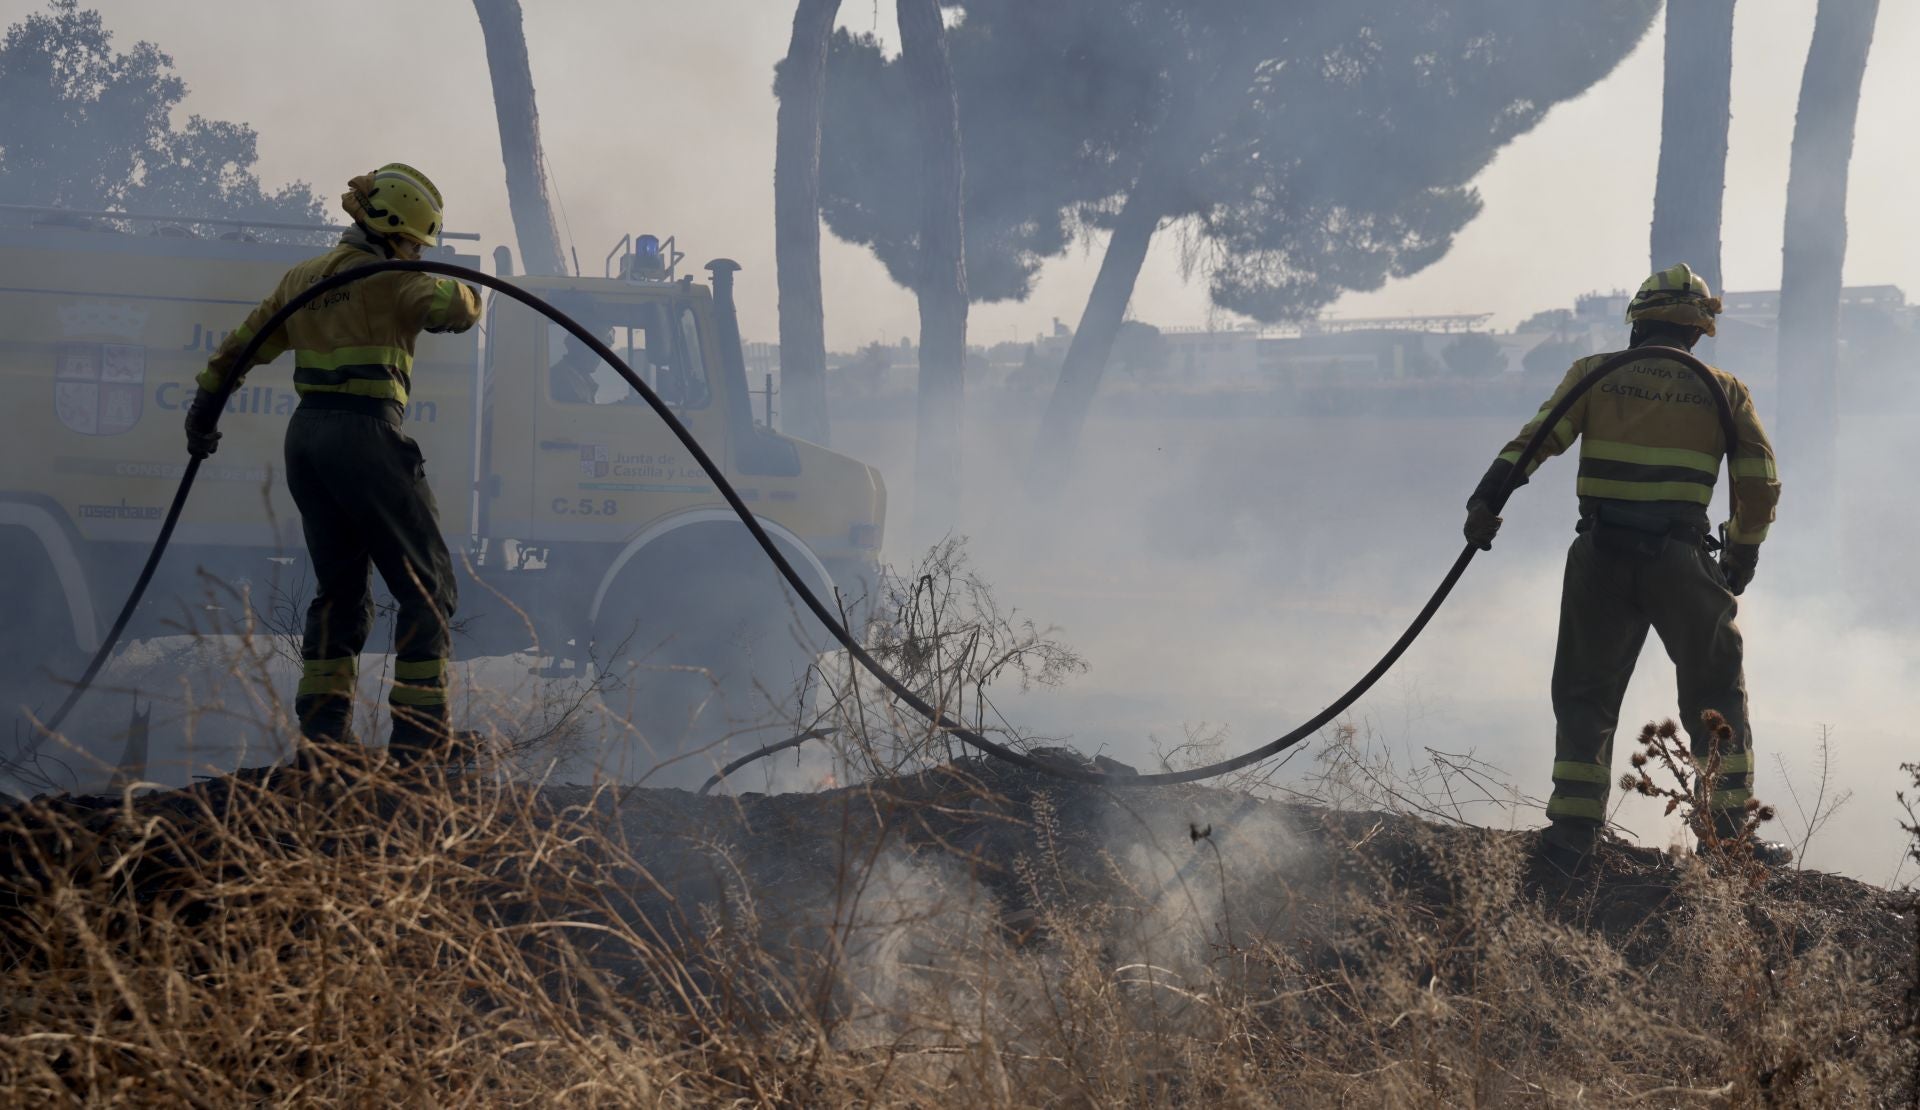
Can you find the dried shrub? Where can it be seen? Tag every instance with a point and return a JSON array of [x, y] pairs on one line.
[[1664, 748], [353, 936], [348, 934]]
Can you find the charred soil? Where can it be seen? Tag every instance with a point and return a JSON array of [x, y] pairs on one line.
[[967, 934]]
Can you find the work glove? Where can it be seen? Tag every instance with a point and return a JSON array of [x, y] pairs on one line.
[[203, 437], [465, 292], [1737, 564], [1490, 487], [1482, 525]]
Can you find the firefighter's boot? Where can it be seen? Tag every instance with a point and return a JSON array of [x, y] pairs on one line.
[[1733, 841], [1767, 853], [420, 733], [1569, 847], [324, 703], [421, 742]]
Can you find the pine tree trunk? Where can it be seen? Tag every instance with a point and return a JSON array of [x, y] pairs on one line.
[[1814, 250], [513, 107], [941, 277], [1178, 144], [802, 90], [1696, 109], [1066, 412]]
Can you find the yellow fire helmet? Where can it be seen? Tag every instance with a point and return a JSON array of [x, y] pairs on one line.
[[1675, 295], [395, 199]]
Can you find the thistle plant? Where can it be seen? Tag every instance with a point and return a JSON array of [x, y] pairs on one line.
[[1694, 779]]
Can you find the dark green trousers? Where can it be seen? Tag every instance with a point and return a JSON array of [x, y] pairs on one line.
[[360, 484], [1608, 602]]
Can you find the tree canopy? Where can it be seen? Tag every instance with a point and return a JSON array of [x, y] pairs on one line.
[[91, 127], [1313, 148], [1352, 160], [1036, 149]]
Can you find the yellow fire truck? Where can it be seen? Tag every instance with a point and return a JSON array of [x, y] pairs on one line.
[[587, 532]]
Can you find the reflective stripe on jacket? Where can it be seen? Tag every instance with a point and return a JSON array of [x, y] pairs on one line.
[[357, 339], [1650, 432]]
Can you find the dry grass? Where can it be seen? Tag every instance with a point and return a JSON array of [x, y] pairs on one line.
[[352, 937], [947, 933]]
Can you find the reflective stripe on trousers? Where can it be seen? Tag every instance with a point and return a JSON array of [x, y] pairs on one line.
[[361, 487], [1608, 603]]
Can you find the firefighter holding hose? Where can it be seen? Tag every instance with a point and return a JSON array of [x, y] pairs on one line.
[[1651, 443], [357, 478]]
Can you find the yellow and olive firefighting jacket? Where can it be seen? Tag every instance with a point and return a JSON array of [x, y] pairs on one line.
[[1650, 434], [355, 340]]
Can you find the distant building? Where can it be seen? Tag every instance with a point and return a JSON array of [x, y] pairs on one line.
[[1308, 360], [762, 359], [1876, 331], [1206, 357], [1601, 309], [1322, 351], [1764, 305]]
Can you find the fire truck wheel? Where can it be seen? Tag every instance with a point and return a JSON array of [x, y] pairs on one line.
[[703, 661]]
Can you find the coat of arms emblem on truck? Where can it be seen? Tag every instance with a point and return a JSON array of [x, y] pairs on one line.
[[100, 386]]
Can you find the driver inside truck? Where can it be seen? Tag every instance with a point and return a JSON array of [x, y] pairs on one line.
[[644, 336], [571, 377], [578, 376]]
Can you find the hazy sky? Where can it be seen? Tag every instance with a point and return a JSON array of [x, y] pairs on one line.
[[658, 116]]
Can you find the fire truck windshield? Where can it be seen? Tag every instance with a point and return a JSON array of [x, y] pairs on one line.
[[661, 342]]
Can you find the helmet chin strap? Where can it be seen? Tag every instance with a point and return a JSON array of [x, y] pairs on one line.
[[391, 246], [383, 243], [354, 201]]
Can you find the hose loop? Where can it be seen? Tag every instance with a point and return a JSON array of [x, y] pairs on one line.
[[826, 615]]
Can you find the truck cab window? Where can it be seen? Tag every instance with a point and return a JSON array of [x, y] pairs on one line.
[[642, 334], [699, 393], [577, 376]]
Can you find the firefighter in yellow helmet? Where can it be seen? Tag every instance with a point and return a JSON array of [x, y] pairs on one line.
[[1651, 443], [358, 479]]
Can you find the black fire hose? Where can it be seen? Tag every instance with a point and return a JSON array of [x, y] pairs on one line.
[[827, 616], [760, 753]]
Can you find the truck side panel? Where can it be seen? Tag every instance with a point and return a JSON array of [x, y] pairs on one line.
[[103, 334]]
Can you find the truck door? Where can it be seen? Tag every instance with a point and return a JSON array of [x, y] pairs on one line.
[[605, 465]]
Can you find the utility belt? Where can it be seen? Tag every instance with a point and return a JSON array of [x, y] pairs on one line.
[[1620, 530], [382, 408]]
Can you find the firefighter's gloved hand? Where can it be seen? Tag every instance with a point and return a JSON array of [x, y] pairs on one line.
[[1482, 525], [1737, 564], [472, 296], [203, 437]]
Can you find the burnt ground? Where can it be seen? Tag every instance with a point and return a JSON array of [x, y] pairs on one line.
[[1080, 845], [1343, 893]]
